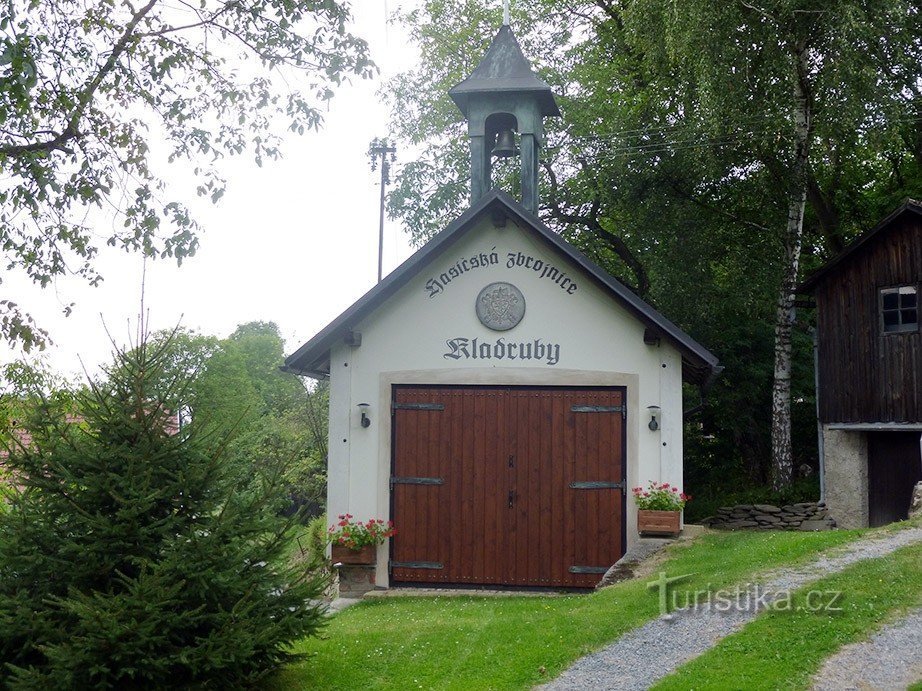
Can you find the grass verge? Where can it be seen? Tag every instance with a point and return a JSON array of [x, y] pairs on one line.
[[516, 642], [783, 649]]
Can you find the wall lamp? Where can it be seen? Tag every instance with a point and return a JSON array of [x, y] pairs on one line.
[[654, 413], [366, 421]]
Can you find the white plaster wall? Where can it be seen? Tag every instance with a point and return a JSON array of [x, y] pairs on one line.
[[405, 341]]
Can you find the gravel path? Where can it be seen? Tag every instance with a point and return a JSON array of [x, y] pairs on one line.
[[891, 659], [647, 654]]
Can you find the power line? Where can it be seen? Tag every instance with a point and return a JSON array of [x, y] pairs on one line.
[[687, 126], [658, 128], [603, 148]]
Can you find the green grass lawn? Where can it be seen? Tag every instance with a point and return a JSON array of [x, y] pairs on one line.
[[784, 649], [516, 642]]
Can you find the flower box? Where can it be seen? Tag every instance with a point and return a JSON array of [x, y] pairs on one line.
[[364, 555], [651, 522]]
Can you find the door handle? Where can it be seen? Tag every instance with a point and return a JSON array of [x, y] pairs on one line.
[[511, 498]]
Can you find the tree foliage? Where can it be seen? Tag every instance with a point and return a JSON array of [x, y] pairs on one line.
[[85, 90], [671, 166], [137, 558], [813, 77], [235, 383]]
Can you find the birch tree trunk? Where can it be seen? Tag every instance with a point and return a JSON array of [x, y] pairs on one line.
[[782, 453]]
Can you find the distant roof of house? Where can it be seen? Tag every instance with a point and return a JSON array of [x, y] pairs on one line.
[[909, 206], [698, 364], [504, 68]]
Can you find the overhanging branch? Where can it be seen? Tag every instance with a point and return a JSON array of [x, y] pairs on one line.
[[591, 222], [72, 130]]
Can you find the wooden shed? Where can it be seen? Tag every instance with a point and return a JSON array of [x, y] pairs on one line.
[[497, 394], [870, 370]]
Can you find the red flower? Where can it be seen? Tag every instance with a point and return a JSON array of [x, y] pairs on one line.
[[356, 534]]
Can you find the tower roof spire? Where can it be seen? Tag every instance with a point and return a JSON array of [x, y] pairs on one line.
[[504, 69]]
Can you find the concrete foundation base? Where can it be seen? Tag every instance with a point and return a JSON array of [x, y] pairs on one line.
[[846, 476], [354, 580]]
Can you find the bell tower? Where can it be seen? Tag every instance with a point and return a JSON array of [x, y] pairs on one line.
[[504, 100]]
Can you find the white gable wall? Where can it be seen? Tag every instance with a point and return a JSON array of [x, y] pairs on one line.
[[588, 339]]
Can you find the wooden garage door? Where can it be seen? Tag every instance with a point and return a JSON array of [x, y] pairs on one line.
[[507, 486]]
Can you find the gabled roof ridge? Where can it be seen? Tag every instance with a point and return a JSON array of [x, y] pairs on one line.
[[816, 277], [305, 359]]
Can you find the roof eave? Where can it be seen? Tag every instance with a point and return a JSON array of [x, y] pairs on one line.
[[323, 341], [810, 284], [545, 97]]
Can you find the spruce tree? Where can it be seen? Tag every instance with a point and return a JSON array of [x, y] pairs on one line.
[[132, 556]]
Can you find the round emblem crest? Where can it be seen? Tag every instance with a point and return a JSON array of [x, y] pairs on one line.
[[500, 306]]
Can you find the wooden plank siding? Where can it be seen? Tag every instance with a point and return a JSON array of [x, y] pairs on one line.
[[505, 512], [866, 375]]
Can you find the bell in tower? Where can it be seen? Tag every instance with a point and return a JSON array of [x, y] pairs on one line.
[[503, 99]]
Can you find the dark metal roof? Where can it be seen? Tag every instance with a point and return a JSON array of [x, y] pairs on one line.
[[811, 283], [698, 364], [504, 68]]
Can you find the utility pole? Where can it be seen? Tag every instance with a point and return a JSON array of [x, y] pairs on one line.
[[388, 154]]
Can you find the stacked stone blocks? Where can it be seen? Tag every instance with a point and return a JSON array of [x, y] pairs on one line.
[[802, 516]]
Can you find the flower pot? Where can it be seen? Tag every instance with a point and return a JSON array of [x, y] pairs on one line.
[[364, 555], [651, 522]]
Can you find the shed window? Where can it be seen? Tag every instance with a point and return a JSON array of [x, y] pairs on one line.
[[899, 309]]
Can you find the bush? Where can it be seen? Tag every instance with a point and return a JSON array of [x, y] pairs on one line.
[[317, 537], [133, 557]]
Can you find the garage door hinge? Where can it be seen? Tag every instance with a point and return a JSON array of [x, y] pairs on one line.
[[417, 406], [597, 485], [415, 565], [588, 569], [417, 480], [600, 409]]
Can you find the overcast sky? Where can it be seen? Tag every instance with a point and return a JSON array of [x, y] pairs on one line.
[[294, 242]]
